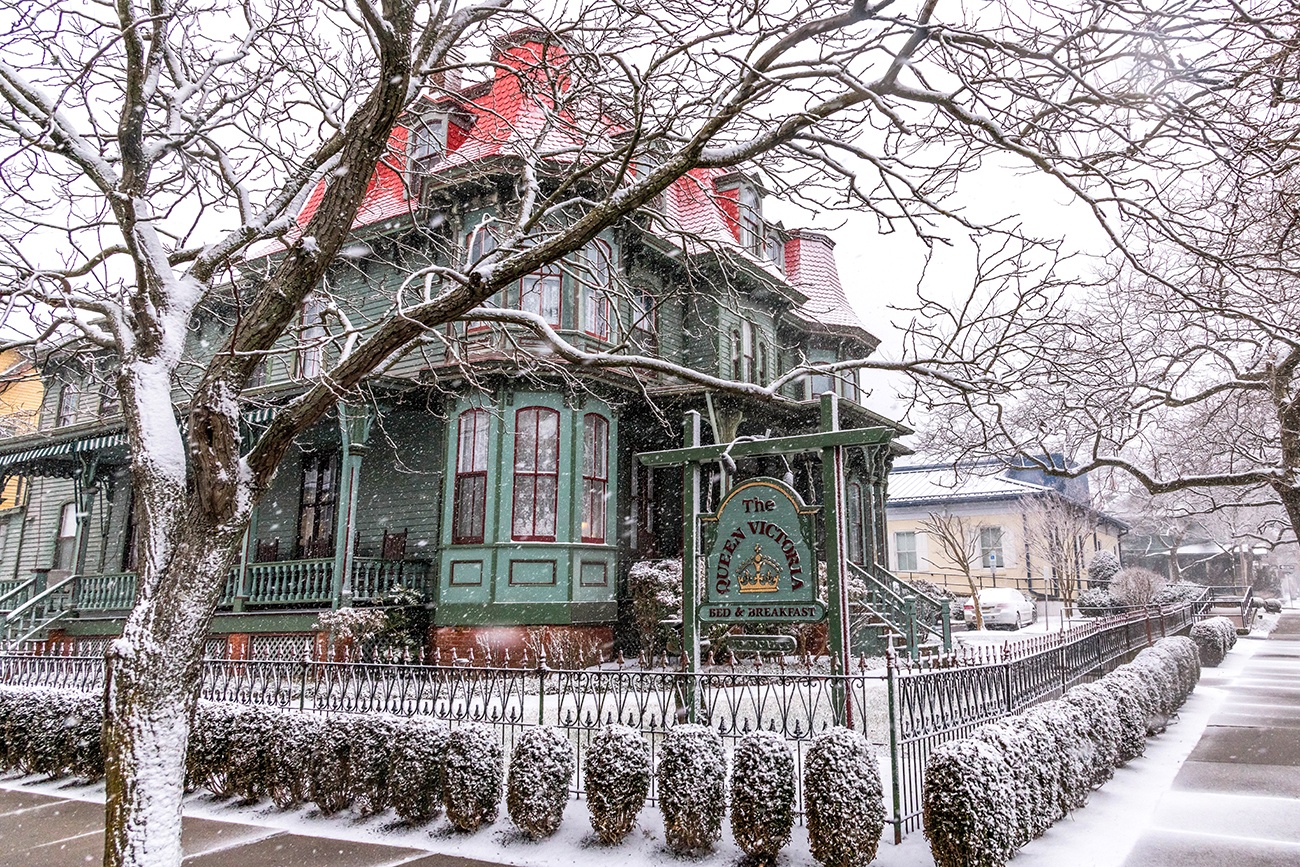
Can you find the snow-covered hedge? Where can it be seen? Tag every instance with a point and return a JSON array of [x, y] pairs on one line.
[[987, 795], [1102, 568], [1181, 591], [692, 778], [373, 757], [51, 732], [330, 765], [656, 588], [1214, 638], [969, 805], [762, 794], [541, 768], [843, 800], [1097, 602], [616, 776], [471, 776], [417, 757]]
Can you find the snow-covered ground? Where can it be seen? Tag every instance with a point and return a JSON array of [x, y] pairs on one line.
[[1101, 835]]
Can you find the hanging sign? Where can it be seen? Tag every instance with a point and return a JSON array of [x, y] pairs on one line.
[[760, 565]]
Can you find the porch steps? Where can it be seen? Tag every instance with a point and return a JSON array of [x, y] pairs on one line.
[[913, 618], [32, 618]]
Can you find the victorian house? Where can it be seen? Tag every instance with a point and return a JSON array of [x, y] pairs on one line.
[[498, 485]]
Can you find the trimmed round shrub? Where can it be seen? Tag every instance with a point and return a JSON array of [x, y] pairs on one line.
[[1074, 749], [1132, 716], [1182, 591], [1102, 568], [1097, 602], [1102, 712], [968, 805], [1143, 689], [692, 778], [255, 734], [843, 800], [372, 762], [330, 765], [52, 732], [1021, 748], [471, 777], [208, 761], [1213, 639], [289, 769], [1045, 777], [541, 768], [616, 780], [418, 752], [1273, 606], [762, 794]]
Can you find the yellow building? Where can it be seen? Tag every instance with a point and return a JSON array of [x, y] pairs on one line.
[[21, 393], [1008, 522]]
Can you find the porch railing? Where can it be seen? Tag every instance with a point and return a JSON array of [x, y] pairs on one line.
[[291, 582]]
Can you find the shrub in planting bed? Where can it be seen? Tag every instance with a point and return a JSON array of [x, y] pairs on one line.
[[417, 781], [541, 768], [987, 795], [969, 805], [1020, 747], [51, 732], [254, 748], [207, 763], [471, 777], [692, 777], [762, 794], [1132, 716], [329, 767], [1102, 713], [1213, 639], [373, 754], [1072, 747], [1097, 602], [843, 801], [289, 768], [616, 776]]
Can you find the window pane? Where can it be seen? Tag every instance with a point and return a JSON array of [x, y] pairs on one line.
[[525, 506], [905, 551], [526, 441], [548, 442], [546, 503]]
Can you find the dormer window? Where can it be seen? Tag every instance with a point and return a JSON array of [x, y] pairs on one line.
[[752, 230], [427, 139], [479, 243], [774, 249]]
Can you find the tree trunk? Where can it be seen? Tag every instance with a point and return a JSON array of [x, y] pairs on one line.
[[154, 673], [975, 601]]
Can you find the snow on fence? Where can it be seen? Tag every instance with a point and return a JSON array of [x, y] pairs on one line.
[[905, 709]]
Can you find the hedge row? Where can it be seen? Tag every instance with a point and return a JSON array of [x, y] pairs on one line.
[[51, 732], [1214, 638], [988, 795]]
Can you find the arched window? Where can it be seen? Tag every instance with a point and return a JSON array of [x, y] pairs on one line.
[[855, 523], [595, 476], [596, 277], [65, 553], [311, 337], [67, 410], [747, 350], [762, 364], [478, 244], [540, 293], [469, 501], [537, 474], [737, 359]]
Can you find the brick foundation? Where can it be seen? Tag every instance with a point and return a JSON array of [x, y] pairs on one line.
[[565, 646]]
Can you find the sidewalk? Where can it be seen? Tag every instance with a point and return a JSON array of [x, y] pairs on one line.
[[39, 830], [1236, 799]]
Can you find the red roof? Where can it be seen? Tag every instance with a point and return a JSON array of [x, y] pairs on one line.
[[511, 115]]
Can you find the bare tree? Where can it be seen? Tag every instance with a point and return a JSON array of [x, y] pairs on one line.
[[959, 543], [154, 149], [1059, 533]]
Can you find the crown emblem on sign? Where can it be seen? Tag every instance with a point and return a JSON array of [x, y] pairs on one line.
[[759, 574]]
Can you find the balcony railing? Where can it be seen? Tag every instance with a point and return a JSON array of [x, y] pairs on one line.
[[303, 583]]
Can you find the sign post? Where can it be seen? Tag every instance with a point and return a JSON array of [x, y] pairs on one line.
[[836, 585], [690, 565]]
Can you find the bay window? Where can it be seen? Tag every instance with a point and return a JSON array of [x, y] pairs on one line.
[[469, 500], [537, 474], [540, 294], [595, 476]]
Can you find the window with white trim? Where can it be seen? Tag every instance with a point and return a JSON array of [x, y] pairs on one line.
[[905, 554], [597, 283], [540, 294]]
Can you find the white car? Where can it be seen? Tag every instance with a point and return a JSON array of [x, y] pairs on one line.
[[1001, 606]]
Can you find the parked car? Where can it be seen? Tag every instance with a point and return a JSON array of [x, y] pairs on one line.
[[1001, 606]]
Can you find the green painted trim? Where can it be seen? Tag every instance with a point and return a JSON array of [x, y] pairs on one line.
[[775, 446], [288, 621]]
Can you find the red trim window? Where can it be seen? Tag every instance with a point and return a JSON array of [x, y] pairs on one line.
[[597, 267], [540, 293], [595, 476], [469, 503], [537, 474]]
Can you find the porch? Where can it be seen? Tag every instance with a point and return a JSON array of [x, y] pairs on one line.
[[31, 607]]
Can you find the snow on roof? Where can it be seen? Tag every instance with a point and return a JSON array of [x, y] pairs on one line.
[[933, 484], [810, 266]]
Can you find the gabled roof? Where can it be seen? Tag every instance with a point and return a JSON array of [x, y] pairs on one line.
[[925, 485]]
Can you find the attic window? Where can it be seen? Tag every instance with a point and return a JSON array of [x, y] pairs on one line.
[[752, 234], [428, 142]]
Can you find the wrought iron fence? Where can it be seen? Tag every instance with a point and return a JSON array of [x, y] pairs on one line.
[[906, 708], [936, 700]]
